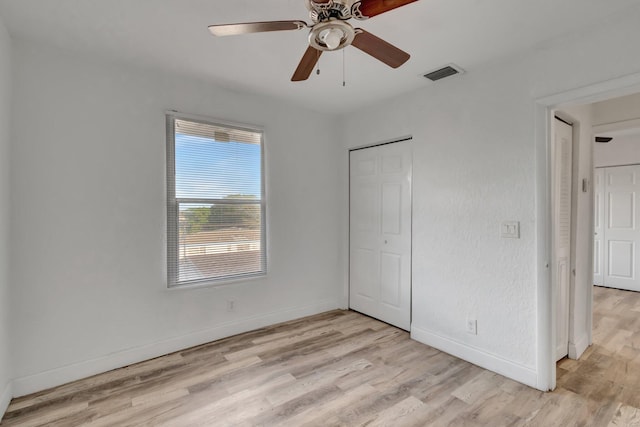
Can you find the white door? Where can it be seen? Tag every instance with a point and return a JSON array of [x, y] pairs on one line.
[[622, 227], [561, 199], [380, 232], [598, 220]]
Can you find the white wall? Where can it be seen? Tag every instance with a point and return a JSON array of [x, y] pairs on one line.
[[616, 110], [88, 203], [5, 96], [474, 167], [582, 231]]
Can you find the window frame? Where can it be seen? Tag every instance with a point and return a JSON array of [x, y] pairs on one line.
[[173, 203]]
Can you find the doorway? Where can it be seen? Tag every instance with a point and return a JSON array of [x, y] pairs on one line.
[[380, 232], [581, 290]]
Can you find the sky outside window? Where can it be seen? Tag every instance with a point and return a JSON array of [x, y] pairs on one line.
[[208, 169]]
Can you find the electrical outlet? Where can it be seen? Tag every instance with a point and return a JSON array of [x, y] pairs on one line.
[[231, 305], [472, 326]]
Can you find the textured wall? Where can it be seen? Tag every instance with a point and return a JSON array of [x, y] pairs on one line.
[[89, 210], [473, 169]]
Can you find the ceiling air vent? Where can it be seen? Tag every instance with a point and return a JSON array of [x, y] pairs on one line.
[[603, 139], [441, 73]]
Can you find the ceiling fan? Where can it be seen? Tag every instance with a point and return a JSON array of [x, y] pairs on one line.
[[330, 31]]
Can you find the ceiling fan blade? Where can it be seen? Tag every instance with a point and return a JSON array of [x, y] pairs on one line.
[[379, 49], [371, 8], [309, 60], [255, 27]]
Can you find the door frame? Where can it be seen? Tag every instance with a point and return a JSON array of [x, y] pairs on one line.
[[598, 212], [546, 302], [348, 249]]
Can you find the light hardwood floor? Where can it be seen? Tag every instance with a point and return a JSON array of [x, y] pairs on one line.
[[342, 368]]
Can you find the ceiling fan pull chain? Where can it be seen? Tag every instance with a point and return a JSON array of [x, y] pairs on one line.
[[318, 62]]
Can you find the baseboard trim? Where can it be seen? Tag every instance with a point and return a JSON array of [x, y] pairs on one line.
[[576, 350], [5, 399], [55, 377], [509, 369]]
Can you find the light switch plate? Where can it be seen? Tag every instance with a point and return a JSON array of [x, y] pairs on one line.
[[510, 230]]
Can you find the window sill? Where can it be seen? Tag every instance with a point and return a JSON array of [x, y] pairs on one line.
[[217, 283]]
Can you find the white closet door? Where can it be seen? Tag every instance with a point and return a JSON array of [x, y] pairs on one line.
[[380, 232], [561, 159], [598, 220], [622, 227]]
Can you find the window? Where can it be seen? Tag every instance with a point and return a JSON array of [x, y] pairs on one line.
[[215, 202]]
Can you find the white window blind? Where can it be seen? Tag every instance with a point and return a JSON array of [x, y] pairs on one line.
[[215, 202]]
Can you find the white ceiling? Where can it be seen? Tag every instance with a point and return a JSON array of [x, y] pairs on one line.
[[172, 35]]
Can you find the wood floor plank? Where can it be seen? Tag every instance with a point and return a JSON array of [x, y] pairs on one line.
[[316, 415], [626, 416], [318, 379], [407, 412], [43, 418]]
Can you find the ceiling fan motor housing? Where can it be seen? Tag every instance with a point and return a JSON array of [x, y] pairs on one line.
[[334, 9]]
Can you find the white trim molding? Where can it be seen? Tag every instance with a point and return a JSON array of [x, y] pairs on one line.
[[576, 349], [5, 399], [65, 374], [545, 315], [482, 358]]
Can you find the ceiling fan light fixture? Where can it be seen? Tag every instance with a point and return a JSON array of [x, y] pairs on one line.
[[332, 38], [331, 35]]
